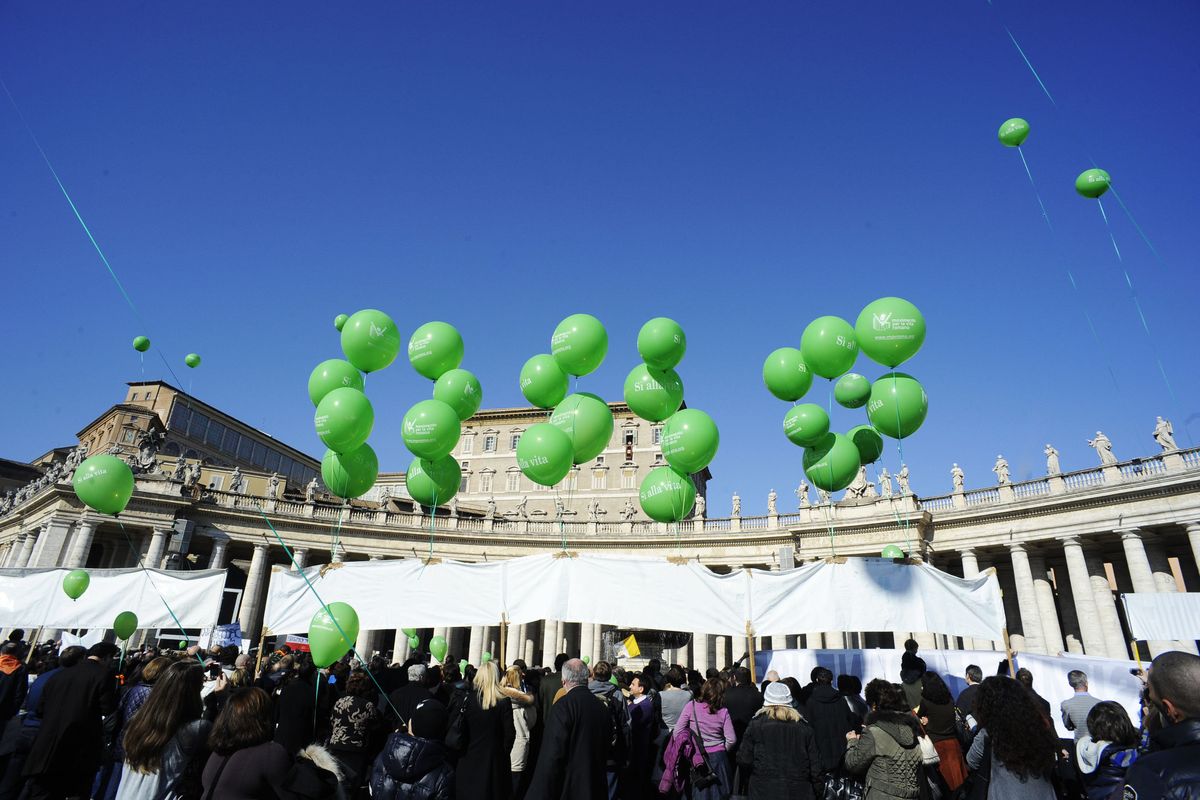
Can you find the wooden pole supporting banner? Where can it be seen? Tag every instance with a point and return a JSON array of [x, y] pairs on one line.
[[1136, 655], [1012, 672], [503, 642], [262, 641], [750, 649]]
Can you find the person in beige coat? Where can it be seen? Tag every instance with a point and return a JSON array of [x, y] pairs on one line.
[[524, 718]]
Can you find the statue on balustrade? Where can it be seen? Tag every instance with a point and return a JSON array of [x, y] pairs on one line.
[[454, 506], [594, 510], [237, 481], [192, 477], [6, 502], [885, 482], [737, 506], [870, 492], [74, 459], [1103, 447], [772, 498], [1001, 470], [857, 488], [310, 491], [629, 512], [701, 503], [956, 474], [1164, 434], [146, 459], [802, 494], [1052, 467], [522, 509], [491, 508], [273, 485], [559, 508], [823, 497], [902, 480], [178, 471]]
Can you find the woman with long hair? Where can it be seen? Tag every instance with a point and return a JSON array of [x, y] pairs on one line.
[[165, 741], [1015, 749], [524, 714], [1108, 749], [355, 723], [245, 763], [109, 777], [485, 765], [708, 721], [937, 716], [887, 752], [779, 750]]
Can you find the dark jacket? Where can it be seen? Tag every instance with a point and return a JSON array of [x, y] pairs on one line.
[[571, 763], [1172, 769], [404, 700], [888, 757], [743, 702], [484, 767], [548, 687], [250, 772], [830, 717], [1102, 765], [782, 759], [412, 768], [966, 700], [14, 682], [69, 742]]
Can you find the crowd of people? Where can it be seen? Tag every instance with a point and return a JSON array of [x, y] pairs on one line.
[[205, 725]]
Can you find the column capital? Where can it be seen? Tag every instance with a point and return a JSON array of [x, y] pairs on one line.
[[261, 547], [1071, 540], [965, 552], [1127, 534], [375, 557], [1192, 527], [1017, 547]]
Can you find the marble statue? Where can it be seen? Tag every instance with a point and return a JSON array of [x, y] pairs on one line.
[[802, 494], [491, 508], [823, 497], [594, 510], [1103, 447], [870, 491], [957, 475], [273, 485], [178, 471], [737, 506], [75, 458], [1164, 434], [629, 512], [772, 498], [385, 495], [6, 502], [1001, 470], [454, 506], [237, 482], [858, 487], [885, 482], [310, 491], [902, 480], [146, 459], [559, 508], [192, 477], [1052, 467], [698, 511], [522, 508]]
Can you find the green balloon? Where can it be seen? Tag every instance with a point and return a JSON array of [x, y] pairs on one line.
[[1013, 132], [414, 642], [183, 645], [689, 440], [438, 647], [806, 424], [141, 344], [786, 375], [890, 330], [545, 454], [325, 640], [868, 441], [579, 344], [76, 583], [485, 657], [587, 420], [125, 625], [332, 374], [898, 405], [460, 390], [350, 474], [370, 340], [434, 349], [829, 346], [430, 429], [432, 483], [543, 381], [892, 551], [344, 419], [409, 631], [462, 666], [852, 390], [1093, 183], [192, 360], [662, 343], [833, 463], [339, 321], [103, 482], [587, 659], [653, 394], [667, 495]]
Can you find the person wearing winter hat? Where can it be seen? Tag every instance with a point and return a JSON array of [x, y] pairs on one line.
[[413, 763], [780, 750]]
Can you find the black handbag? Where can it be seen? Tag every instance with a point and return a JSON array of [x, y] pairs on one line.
[[700, 776]]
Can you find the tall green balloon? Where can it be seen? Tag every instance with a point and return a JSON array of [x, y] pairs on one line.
[[344, 419], [1093, 183], [543, 381], [460, 390], [103, 482], [890, 330], [75, 583], [438, 648], [898, 405], [829, 346], [852, 390], [141, 343], [868, 441], [653, 394], [192, 360], [587, 420], [434, 349], [414, 642], [370, 340], [579, 344], [430, 429], [432, 483], [662, 343], [833, 463], [667, 495], [786, 375], [332, 633], [350, 474], [339, 322], [806, 424], [545, 454], [125, 625], [1013, 132], [332, 374], [690, 440]]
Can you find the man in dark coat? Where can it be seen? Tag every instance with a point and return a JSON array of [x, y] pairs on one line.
[[830, 717], [14, 681], [69, 745], [403, 701], [571, 763], [549, 687], [743, 701], [1172, 768]]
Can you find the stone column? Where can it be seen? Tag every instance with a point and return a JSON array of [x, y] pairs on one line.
[[837, 641], [1164, 580], [720, 652], [1031, 623], [27, 540], [1086, 611], [400, 649], [1141, 575], [158, 546], [250, 617], [1106, 607], [82, 545], [970, 569], [560, 632], [1193, 533], [700, 661], [1044, 591], [587, 639], [475, 647], [219, 556], [531, 633], [300, 556]]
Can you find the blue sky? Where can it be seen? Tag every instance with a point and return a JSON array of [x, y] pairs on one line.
[[254, 169]]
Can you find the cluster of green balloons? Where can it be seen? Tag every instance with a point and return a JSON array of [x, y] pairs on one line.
[[103, 482], [414, 641], [332, 632], [890, 331]]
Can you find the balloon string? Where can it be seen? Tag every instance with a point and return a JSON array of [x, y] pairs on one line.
[[1029, 64], [900, 447], [1136, 226], [829, 507], [150, 579]]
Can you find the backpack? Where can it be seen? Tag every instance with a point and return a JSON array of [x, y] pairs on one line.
[[456, 729], [621, 742]]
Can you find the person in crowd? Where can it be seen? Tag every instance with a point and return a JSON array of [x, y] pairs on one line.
[[912, 668], [707, 720], [215, 700], [109, 776], [1025, 678], [937, 716], [355, 722], [166, 742], [548, 689], [14, 681], [403, 700], [245, 763], [1106, 751], [798, 693], [69, 747], [524, 714], [772, 676], [886, 752], [21, 732], [805, 690], [1014, 753], [779, 751], [296, 710], [850, 688], [830, 718], [1075, 709], [965, 702], [617, 754], [484, 768], [413, 764], [643, 725], [743, 701], [674, 696], [1172, 768], [571, 764], [279, 668]]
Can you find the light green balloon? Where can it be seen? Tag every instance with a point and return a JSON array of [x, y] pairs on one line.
[[890, 330], [414, 642], [141, 343], [438, 648], [1013, 132], [1093, 183], [350, 474], [833, 463], [806, 424], [653, 394], [409, 631], [852, 390], [868, 441], [434, 349], [544, 454], [344, 419], [690, 440], [543, 381], [579, 344], [103, 482], [667, 495], [332, 374], [192, 360], [331, 634], [587, 420], [430, 429], [339, 321], [125, 625], [892, 551], [370, 340], [460, 390], [786, 375], [898, 405], [75, 583], [432, 483], [662, 343], [829, 346]]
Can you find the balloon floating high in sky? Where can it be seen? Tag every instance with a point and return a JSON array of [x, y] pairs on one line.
[[141, 343], [1013, 132]]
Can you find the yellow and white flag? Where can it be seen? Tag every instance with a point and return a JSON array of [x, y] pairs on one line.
[[629, 648]]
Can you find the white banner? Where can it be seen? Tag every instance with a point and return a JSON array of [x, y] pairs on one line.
[[32, 598], [1167, 616]]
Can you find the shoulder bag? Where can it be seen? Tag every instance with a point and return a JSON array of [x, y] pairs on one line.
[[700, 776]]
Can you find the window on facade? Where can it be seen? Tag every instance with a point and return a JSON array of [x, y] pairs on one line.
[[260, 453], [628, 478], [599, 461], [147, 395], [512, 481], [197, 426], [485, 483], [230, 441], [630, 437], [214, 433], [272, 464], [465, 484], [127, 436], [489, 443], [179, 418], [468, 445], [600, 479], [245, 448], [217, 481], [656, 434], [658, 459], [513, 441]]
